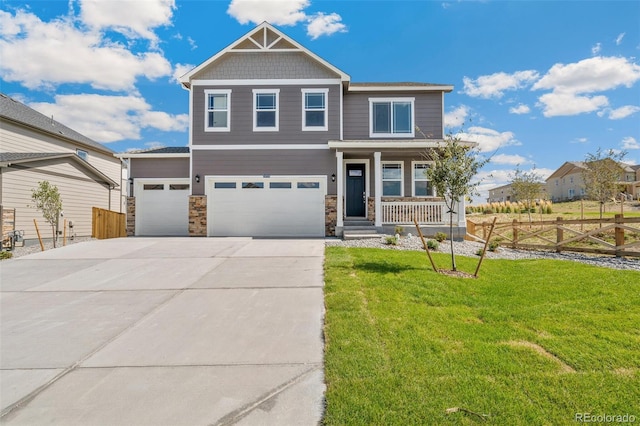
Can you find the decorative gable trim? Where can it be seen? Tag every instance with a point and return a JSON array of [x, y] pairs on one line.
[[263, 39]]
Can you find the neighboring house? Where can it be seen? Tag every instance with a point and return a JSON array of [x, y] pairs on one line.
[[35, 148], [500, 194], [566, 183], [282, 143]]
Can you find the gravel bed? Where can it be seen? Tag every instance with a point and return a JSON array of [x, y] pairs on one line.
[[48, 245], [469, 248]]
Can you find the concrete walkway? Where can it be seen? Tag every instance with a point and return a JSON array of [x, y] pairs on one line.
[[163, 331]]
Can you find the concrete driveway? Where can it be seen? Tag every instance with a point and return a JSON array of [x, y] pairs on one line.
[[164, 331]]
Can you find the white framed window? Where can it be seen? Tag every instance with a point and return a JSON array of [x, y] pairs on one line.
[[391, 117], [217, 112], [314, 109], [392, 183], [82, 154], [420, 184], [265, 110]]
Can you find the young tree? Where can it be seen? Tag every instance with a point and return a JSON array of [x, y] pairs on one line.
[[526, 187], [602, 175], [47, 199], [455, 164]]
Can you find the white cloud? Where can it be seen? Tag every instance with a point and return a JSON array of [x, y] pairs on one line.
[[494, 85], [32, 55], [573, 84], [520, 109], [620, 113], [321, 24], [180, 70], [133, 18], [630, 142], [619, 39], [286, 12], [513, 160], [277, 12], [488, 139], [590, 75], [456, 117], [596, 49], [562, 103], [110, 118], [580, 140]]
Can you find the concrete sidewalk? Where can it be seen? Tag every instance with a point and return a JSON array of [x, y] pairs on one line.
[[164, 331]]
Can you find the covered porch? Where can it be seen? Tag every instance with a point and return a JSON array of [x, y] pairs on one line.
[[384, 183]]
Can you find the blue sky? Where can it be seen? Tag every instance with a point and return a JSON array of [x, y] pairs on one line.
[[536, 83]]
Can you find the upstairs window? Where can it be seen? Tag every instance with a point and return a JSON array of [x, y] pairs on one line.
[[217, 110], [314, 109], [265, 107], [391, 117], [392, 179], [82, 154], [421, 186]]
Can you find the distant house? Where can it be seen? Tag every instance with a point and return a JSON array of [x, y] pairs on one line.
[[500, 194], [36, 148], [566, 183]]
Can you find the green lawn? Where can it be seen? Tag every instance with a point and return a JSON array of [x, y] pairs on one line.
[[529, 342]]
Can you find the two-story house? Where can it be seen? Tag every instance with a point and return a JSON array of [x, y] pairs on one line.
[[282, 143], [36, 148]]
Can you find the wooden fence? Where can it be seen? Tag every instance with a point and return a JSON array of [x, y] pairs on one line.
[[108, 224], [617, 236]]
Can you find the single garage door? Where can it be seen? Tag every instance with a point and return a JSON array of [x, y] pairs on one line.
[[282, 206], [162, 207]]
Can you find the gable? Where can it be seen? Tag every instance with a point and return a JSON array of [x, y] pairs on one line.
[[264, 53]]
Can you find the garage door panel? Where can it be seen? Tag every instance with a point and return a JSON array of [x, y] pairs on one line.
[[162, 208], [280, 211]]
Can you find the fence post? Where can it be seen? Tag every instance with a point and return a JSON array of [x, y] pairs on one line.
[[515, 233], [484, 231], [559, 234], [619, 233]]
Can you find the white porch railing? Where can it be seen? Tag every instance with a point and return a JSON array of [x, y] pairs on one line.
[[425, 212]]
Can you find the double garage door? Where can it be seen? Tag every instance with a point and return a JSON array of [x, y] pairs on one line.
[[277, 206]]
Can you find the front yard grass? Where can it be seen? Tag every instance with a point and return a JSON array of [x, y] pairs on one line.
[[529, 342]]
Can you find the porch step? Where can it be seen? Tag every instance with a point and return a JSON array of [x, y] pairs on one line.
[[360, 234], [348, 223]]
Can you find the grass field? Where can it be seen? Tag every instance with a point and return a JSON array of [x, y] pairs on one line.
[[568, 210], [529, 342]]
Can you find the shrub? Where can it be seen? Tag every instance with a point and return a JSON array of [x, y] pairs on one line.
[[432, 244], [392, 241], [398, 230], [479, 252], [5, 255], [440, 236], [493, 246]]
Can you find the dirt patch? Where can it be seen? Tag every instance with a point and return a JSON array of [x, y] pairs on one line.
[[566, 368], [457, 274]]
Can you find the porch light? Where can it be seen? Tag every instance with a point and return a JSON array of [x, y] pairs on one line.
[[333, 177], [197, 178]]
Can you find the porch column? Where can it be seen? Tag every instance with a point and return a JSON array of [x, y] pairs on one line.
[[462, 218], [377, 165], [340, 186]]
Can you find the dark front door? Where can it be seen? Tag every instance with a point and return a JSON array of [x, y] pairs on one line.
[[355, 190]]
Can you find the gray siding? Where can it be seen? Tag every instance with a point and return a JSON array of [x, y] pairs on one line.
[[159, 168], [428, 114], [290, 119], [242, 66], [262, 162]]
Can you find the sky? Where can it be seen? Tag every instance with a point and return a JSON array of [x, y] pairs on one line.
[[536, 83]]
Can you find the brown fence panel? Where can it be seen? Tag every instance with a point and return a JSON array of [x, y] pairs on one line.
[[617, 236], [108, 224]]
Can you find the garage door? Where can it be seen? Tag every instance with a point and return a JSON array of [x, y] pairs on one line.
[[266, 207], [162, 207]]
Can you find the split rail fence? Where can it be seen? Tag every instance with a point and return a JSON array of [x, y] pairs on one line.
[[618, 236], [108, 224]]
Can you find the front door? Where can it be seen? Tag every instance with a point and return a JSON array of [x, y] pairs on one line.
[[356, 195]]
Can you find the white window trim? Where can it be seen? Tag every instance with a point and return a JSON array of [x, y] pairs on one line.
[[255, 111], [392, 135], [413, 180], [206, 110], [401, 177], [324, 128]]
